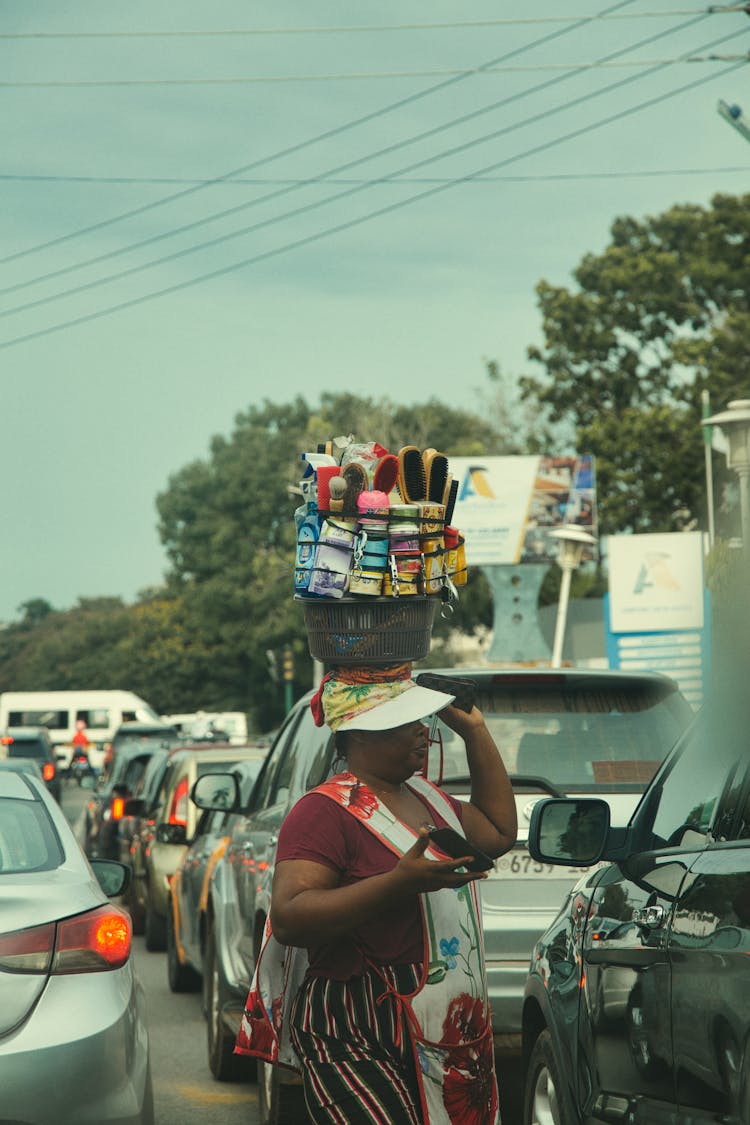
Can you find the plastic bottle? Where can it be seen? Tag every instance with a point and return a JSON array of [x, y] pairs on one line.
[[307, 538]]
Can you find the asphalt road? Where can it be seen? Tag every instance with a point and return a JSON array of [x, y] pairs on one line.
[[185, 1092]]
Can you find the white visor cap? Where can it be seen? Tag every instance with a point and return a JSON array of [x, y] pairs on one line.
[[413, 704]]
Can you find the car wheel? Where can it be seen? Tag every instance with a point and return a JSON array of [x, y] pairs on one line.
[[182, 978], [155, 930], [223, 1063], [278, 1102], [544, 1103]]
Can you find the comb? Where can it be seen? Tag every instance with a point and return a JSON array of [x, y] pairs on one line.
[[450, 503]]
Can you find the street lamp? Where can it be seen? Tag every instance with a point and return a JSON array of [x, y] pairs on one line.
[[735, 423], [573, 541]]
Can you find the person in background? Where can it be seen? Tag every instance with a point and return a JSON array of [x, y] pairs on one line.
[[371, 980]]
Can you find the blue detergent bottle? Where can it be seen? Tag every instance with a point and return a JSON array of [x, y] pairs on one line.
[[307, 539]]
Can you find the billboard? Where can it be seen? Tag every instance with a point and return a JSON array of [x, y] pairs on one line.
[[507, 506], [658, 612], [656, 581]]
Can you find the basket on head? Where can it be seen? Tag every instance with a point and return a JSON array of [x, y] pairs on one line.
[[372, 631]]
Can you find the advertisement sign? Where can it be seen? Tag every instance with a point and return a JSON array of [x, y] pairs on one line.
[[656, 581], [507, 506], [658, 612]]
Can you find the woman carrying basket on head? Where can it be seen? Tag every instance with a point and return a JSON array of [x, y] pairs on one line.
[[372, 977]]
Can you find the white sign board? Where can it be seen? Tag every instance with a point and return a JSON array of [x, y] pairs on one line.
[[507, 506], [656, 582]]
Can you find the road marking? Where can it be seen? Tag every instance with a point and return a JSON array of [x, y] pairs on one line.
[[199, 1096]]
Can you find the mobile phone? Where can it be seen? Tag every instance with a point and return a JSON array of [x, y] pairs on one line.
[[463, 690], [457, 846]]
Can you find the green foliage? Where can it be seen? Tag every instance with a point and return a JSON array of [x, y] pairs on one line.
[[657, 317]]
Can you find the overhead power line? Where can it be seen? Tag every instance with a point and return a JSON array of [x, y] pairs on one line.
[[347, 166], [318, 138], [713, 9], [357, 76], [338, 228], [268, 181]]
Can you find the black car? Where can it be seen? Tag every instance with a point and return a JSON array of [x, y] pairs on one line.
[[106, 808], [637, 1002], [34, 742]]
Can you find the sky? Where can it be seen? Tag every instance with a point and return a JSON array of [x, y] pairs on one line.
[[400, 176]]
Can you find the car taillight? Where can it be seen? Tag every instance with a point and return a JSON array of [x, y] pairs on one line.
[[88, 943], [6, 740], [178, 808], [92, 942], [28, 951], [118, 808], [48, 771]]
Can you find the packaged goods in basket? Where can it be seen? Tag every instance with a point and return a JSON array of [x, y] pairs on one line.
[[376, 524]]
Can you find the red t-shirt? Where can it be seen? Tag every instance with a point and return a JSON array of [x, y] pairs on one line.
[[319, 830]]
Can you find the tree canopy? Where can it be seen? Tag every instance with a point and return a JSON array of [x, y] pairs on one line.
[[662, 313]]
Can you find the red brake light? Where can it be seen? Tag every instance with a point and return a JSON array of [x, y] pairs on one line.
[[48, 771], [87, 943], [178, 808], [93, 942], [118, 808], [6, 740]]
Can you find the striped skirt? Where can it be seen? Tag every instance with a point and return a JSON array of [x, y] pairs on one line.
[[358, 1058]]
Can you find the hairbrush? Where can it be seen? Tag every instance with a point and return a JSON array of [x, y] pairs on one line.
[[436, 475], [411, 476], [356, 480]]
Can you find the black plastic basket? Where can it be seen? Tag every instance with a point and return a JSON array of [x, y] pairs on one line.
[[369, 631]]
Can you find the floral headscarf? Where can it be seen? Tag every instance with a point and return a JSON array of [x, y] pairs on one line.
[[348, 692]]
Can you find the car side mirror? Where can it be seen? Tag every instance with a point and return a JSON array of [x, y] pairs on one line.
[[569, 831], [112, 877], [171, 834], [216, 792]]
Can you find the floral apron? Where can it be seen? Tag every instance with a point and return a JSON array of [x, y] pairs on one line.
[[448, 1016]]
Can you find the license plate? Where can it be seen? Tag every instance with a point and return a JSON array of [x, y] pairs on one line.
[[520, 865]]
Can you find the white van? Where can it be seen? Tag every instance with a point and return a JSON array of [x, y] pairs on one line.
[[101, 711], [201, 724]]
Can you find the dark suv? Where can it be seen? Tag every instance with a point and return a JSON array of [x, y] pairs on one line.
[[636, 1006], [564, 731], [34, 742]]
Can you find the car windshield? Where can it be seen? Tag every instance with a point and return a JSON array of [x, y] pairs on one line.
[[583, 738], [28, 841]]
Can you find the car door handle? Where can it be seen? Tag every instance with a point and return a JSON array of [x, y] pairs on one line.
[[651, 917]]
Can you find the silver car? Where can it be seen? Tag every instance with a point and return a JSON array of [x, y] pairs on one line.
[[73, 1041]]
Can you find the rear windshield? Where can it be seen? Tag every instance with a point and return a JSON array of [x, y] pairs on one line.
[[593, 737], [28, 841], [27, 748]]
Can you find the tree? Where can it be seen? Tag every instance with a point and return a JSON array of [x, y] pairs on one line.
[[660, 314]]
